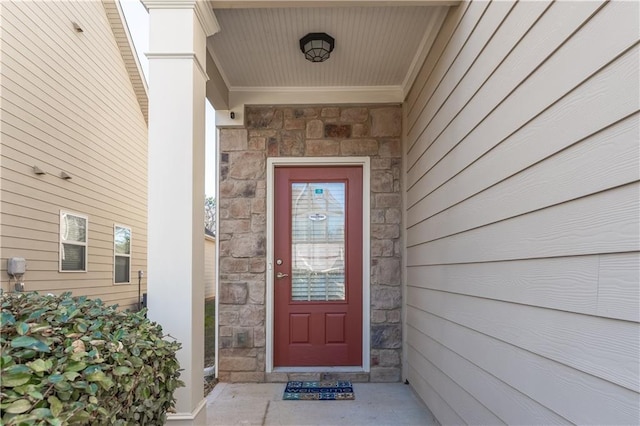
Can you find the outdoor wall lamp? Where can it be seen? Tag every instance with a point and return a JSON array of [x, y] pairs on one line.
[[317, 46]]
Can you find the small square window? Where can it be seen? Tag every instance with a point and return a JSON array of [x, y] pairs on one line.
[[122, 254], [73, 242]]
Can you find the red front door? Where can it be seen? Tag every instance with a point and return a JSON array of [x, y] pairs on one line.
[[318, 266]]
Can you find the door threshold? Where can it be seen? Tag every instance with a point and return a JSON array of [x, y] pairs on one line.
[[347, 369]]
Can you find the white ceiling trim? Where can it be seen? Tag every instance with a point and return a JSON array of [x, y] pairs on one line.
[[218, 65], [315, 95], [269, 4], [436, 21], [309, 89], [207, 18], [217, 89]]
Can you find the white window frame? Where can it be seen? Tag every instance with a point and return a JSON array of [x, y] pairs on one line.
[[115, 254], [63, 241]]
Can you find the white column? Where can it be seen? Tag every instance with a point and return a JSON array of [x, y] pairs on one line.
[[177, 79]]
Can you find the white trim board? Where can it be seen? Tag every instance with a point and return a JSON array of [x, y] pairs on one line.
[[253, 4], [365, 162], [241, 96]]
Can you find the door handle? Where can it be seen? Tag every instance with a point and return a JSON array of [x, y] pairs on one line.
[[281, 275]]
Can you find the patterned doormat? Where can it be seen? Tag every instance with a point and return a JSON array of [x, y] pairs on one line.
[[325, 390]]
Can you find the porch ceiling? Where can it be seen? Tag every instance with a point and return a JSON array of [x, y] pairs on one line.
[[380, 46]]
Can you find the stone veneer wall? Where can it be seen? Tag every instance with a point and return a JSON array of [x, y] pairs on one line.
[[305, 131]]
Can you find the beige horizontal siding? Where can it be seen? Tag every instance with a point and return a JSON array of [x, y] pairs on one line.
[[613, 148], [522, 225], [89, 194], [67, 53], [606, 222], [557, 335], [618, 286], [68, 104], [579, 398], [512, 407], [567, 283]]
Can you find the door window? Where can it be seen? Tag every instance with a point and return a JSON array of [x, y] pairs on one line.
[[318, 241]]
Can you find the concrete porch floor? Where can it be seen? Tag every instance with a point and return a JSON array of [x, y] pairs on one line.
[[262, 404]]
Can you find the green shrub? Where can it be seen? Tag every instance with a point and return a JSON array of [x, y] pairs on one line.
[[71, 360]]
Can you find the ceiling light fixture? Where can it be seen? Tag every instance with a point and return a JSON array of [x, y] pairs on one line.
[[317, 46]]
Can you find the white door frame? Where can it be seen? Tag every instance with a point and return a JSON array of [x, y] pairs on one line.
[[366, 256]]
